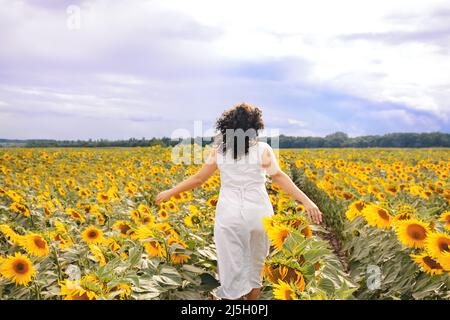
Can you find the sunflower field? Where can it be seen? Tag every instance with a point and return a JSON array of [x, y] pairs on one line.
[[390, 208], [82, 224]]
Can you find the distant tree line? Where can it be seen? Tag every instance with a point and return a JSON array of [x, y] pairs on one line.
[[341, 139], [335, 140]]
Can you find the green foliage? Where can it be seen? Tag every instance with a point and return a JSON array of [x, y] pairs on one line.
[[334, 217], [400, 277], [322, 271]]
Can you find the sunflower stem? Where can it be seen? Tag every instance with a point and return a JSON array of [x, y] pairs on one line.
[[58, 266], [167, 251], [32, 220], [37, 291]]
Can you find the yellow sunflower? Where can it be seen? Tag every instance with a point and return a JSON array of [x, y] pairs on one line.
[[412, 233], [35, 245], [171, 206], [72, 290], [113, 244], [143, 232], [277, 235], [173, 240], [437, 244], [11, 234], [354, 209], [377, 216], [444, 260], [164, 227], [268, 223], [193, 209], [284, 273], [428, 264], [284, 291], [178, 258], [273, 199], [300, 208], [445, 217], [75, 214], [306, 231], [124, 289], [186, 196], [134, 214], [129, 191], [92, 235], [20, 208], [98, 254], [100, 219], [191, 220], [18, 268], [212, 201], [163, 214], [143, 209], [124, 228], [155, 249], [404, 212], [64, 242], [147, 219], [103, 197]]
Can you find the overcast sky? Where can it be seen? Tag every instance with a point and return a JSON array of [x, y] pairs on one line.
[[146, 68]]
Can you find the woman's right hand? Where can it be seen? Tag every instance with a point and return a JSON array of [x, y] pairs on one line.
[[313, 212]]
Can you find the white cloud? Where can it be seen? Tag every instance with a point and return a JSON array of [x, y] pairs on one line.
[[181, 60], [411, 73], [121, 79], [296, 122]]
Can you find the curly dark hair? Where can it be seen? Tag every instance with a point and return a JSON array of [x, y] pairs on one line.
[[239, 128]]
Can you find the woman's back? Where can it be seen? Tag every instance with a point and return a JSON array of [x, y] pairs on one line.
[[244, 172]]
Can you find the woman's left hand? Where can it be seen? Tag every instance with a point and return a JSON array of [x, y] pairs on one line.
[[163, 196]]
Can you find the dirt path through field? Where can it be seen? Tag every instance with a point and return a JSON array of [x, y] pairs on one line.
[[335, 244]]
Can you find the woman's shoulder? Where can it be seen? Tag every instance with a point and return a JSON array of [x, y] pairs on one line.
[[264, 145]]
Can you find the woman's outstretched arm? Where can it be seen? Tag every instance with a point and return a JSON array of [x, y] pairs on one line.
[[285, 182], [192, 182]]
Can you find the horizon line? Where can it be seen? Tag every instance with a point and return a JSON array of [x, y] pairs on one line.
[[209, 137]]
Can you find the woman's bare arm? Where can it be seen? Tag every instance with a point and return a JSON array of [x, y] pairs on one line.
[[192, 182], [285, 183]]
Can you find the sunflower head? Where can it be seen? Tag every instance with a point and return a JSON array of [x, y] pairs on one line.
[[176, 258], [92, 235], [123, 227], [445, 217], [284, 273], [377, 216], [20, 208], [163, 213], [143, 209], [155, 249], [36, 245], [428, 264], [98, 254], [404, 212], [355, 209], [438, 244], [79, 290], [18, 268], [75, 214], [412, 233], [103, 197], [284, 291], [278, 234]]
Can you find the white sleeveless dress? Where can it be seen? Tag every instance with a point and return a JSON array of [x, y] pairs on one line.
[[241, 242]]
